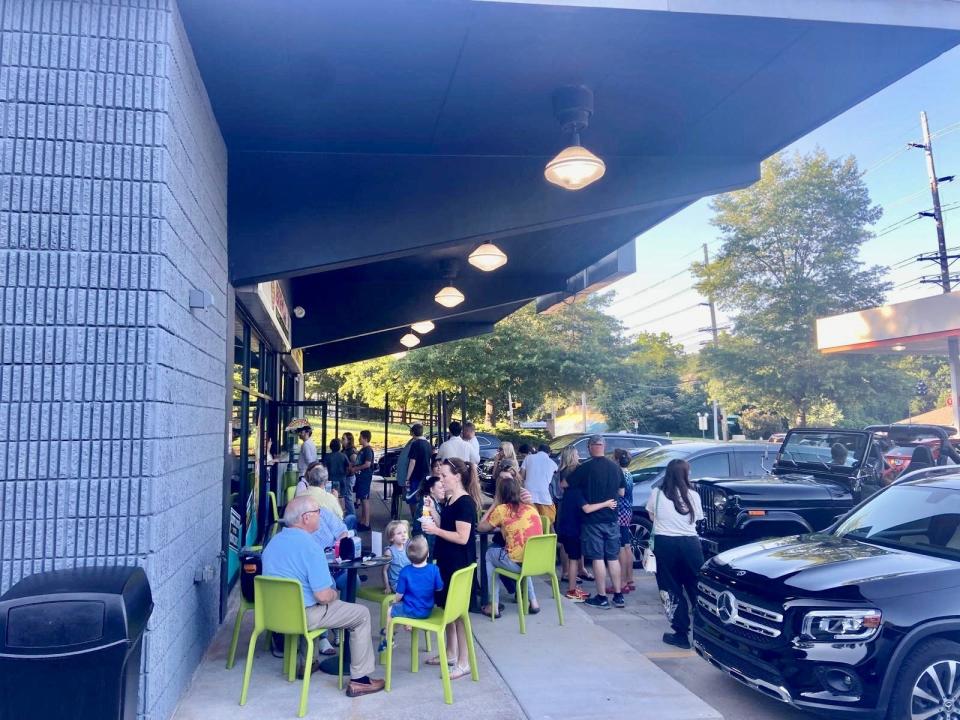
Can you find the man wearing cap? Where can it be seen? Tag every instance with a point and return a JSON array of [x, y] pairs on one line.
[[601, 483]]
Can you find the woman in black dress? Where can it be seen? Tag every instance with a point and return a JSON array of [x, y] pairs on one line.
[[455, 547]]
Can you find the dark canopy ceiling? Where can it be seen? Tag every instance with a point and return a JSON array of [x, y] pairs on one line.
[[369, 140]]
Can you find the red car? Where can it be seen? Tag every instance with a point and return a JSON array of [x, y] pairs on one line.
[[901, 442]]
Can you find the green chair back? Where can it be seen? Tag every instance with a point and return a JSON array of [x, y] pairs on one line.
[[545, 524], [291, 492], [458, 596], [274, 512], [278, 605], [539, 555]]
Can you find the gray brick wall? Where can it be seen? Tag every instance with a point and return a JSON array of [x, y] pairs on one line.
[[112, 207]]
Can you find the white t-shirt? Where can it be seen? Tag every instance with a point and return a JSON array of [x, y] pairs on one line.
[[308, 454], [666, 519], [538, 470], [474, 450], [456, 447]]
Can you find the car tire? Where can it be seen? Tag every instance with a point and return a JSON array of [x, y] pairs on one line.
[[924, 676], [640, 531]]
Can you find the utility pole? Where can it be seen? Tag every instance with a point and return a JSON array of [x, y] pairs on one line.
[[953, 346], [510, 403], [713, 329], [583, 409]]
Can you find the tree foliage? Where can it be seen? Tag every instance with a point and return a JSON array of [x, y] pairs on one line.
[[790, 254]]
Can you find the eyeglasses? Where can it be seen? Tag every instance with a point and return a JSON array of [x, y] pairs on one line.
[[309, 512]]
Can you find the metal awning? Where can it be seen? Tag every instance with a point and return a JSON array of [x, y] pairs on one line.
[[372, 142]]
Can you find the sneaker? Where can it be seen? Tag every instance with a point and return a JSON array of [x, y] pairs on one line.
[[676, 639], [356, 689], [575, 596], [618, 600], [583, 593], [599, 601]]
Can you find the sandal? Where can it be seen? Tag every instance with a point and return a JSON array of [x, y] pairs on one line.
[[459, 671], [487, 610], [435, 660], [532, 610]]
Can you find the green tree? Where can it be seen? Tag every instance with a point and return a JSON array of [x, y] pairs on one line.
[[789, 255]]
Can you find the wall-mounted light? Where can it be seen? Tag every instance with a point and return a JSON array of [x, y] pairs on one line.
[[488, 257], [409, 340], [422, 327], [575, 167], [898, 348], [299, 312]]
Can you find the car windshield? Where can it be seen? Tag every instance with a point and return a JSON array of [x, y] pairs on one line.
[[561, 441], [829, 448], [919, 518]]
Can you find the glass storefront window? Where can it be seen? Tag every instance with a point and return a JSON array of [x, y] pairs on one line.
[[256, 362]]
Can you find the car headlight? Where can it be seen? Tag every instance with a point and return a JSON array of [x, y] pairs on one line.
[[841, 625], [720, 502]]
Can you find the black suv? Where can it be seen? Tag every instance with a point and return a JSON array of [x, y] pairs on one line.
[[861, 620], [816, 476]]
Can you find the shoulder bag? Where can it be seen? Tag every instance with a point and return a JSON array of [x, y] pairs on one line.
[[649, 559]]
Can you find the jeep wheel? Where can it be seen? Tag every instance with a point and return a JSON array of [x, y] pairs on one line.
[[640, 540], [928, 687]]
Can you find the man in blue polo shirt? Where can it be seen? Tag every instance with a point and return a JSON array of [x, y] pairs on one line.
[[295, 553]]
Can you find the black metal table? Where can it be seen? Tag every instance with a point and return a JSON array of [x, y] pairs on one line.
[[330, 665], [477, 600], [391, 482]]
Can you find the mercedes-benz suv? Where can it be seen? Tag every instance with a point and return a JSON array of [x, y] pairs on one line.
[[861, 620]]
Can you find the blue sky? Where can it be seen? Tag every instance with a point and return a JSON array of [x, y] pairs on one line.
[[875, 131]]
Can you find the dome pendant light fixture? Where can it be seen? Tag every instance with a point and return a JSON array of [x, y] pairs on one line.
[[422, 327], [449, 296], [575, 167], [488, 257], [409, 340]]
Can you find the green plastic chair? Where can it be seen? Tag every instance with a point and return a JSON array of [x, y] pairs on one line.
[[383, 597], [245, 605], [539, 558], [458, 608], [274, 512], [278, 607], [291, 492], [545, 523]]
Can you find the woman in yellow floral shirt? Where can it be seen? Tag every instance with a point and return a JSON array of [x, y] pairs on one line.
[[518, 521]]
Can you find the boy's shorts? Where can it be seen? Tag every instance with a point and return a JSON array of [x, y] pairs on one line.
[[399, 610]]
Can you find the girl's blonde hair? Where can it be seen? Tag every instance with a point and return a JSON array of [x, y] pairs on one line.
[[393, 526]]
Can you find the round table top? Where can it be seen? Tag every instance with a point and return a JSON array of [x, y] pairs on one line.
[[357, 564]]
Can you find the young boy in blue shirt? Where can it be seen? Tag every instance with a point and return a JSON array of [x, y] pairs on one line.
[[416, 587]]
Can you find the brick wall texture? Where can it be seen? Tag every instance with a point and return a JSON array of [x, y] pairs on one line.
[[112, 413]]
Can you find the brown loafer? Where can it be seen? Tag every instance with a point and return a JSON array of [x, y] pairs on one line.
[[355, 689]]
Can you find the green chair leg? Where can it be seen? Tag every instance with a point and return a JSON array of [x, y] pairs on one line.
[[444, 668], [307, 669], [415, 650], [471, 650], [555, 584], [388, 673], [290, 643], [248, 668], [521, 605], [340, 662], [232, 653]]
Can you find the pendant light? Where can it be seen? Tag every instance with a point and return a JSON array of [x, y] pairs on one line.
[[422, 327], [574, 167], [449, 296], [409, 340], [488, 257]]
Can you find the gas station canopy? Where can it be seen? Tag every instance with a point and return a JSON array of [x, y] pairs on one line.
[[374, 144]]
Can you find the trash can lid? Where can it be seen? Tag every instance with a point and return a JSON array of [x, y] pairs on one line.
[[106, 580]]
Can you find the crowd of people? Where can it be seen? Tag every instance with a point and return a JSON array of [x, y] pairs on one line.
[[587, 504]]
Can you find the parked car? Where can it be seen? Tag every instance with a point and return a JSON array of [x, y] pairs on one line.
[[900, 442], [706, 458], [489, 444], [630, 442], [857, 621], [816, 475]]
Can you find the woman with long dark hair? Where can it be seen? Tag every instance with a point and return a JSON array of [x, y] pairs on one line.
[[675, 509], [454, 548]]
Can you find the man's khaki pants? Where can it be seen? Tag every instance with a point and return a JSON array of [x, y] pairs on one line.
[[354, 618]]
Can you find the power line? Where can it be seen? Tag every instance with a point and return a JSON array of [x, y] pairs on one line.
[[651, 287], [664, 317], [658, 302]]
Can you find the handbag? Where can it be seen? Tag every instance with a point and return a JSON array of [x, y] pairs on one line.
[[649, 559]]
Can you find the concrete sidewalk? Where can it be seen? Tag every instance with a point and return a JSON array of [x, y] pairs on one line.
[[581, 670]]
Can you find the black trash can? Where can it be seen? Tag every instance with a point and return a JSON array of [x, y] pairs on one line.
[[70, 644]]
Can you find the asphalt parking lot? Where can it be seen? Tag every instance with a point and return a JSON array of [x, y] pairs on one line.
[[642, 623]]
